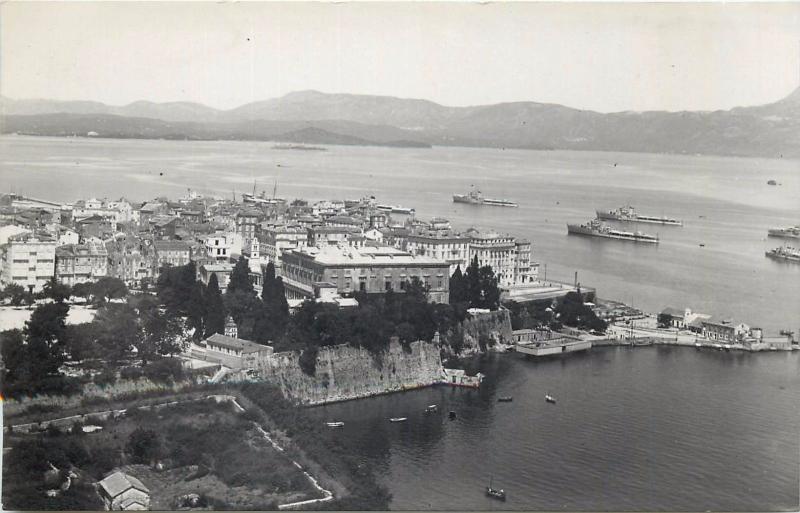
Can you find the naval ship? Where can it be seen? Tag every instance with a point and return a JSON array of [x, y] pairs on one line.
[[476, 198], [784, 253], [596, 228], [628, 213], [792, 232]]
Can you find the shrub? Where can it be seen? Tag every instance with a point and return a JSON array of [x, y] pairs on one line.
[[144, 446]]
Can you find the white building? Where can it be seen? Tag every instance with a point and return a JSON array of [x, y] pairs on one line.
[[442, 244], [509, 258], [220, 246], [28, 261]]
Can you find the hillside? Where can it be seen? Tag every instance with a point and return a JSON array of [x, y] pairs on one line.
[[771, 130]]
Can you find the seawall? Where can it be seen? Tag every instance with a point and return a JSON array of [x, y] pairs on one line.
[[344, 372]]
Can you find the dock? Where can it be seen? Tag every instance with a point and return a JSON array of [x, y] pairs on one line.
[[548, 349]]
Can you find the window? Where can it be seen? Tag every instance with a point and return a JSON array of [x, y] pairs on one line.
[[388, 285]]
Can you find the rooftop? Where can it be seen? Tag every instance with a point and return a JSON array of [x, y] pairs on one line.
[[367, 255], [118, 482], [171, 245], [245, 346]]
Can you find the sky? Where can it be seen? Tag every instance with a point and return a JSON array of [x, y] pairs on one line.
[[602, 57]]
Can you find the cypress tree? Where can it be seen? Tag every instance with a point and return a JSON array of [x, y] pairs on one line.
[[215, 309], [240, 277]]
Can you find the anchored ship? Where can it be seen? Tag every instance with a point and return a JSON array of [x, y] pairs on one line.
[[476, 198], [597, 228], [792, 232], [628, 214], [784, 253], [396, 209]]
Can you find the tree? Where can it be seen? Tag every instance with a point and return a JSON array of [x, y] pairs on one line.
[[56, 291], [15, 293], [240, 277], [46, 337], [664, 320], [272, 324], [214, 308], [480, 286], [457, 287], [144, 446], [182, 295], [160, 332], [107, 288], [83, 290], [118, 330]]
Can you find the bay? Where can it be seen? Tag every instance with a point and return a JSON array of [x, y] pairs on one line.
[[725, 203], [634, 429]]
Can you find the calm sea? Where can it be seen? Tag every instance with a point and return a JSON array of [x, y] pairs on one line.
[[643, 429]]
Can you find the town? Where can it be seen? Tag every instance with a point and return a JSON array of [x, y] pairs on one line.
[[110, 306]]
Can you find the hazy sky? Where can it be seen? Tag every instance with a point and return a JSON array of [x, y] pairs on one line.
[[605, 57]]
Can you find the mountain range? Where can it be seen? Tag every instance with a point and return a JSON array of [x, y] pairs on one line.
[[313, 117]]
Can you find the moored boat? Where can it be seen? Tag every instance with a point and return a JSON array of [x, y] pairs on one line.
[[335, 424], [629, 214], [505, 399], [432, 408], [476, 198], [596, 228], [396, 209], [398, 419], [784, 253], [790, 232]]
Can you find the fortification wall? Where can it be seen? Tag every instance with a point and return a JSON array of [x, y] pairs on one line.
[[345, 372], [496, 326]]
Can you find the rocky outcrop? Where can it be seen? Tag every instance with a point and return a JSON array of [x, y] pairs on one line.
[[494, 327], [344, 372]]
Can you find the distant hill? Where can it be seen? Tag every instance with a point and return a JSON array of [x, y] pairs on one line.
[[771, 130], [122, 127]]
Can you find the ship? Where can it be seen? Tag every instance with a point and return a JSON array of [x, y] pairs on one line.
[[597, 228], [262, 198], [791, 232], [784, 253], [396, 209], [628, 214], [475, 197]]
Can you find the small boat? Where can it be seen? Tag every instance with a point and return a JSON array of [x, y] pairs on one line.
[[505, 399], [550, 399], [772, 182], [431, 408], [452, 415], [702, 245], [698, 345], [495, 493], [335, 424], [398, 419]]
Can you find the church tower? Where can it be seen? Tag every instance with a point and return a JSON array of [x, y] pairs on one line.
[[230, 328]]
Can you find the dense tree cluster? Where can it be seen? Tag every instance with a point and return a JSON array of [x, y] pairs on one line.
[[98, 292], [477, 287], [408, 316], [570, 310]]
